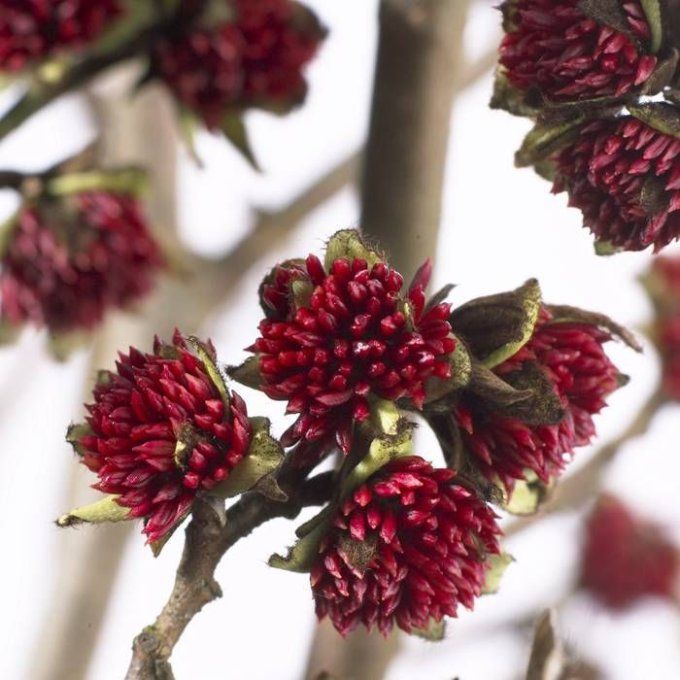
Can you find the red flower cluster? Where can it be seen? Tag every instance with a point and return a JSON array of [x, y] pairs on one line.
[[31, 30], [625, 178], [554, 47], [160, 432], [625, 558], [354, 336], [572, 357], [67, 263], [257, 59], [407, 547], [280, 38]]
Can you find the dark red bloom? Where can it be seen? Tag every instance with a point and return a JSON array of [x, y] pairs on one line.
[[204, 70], [160, 432], [669, 345], [280, 38], [624, 176], [31, 30], [625, 558], [554, 47], [407, 547], [68, 262], [572, 357], [352, 337], [257, 59]]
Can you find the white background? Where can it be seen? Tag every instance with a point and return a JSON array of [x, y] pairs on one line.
[[500, 227]]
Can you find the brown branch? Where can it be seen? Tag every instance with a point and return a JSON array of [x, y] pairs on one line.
[[583, 485], [419, 64], [207, 540]]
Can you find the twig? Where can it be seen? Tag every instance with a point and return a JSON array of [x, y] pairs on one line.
[[584, 484], [207, 540]]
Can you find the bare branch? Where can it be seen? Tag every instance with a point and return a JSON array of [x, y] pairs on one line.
[[207, 540]]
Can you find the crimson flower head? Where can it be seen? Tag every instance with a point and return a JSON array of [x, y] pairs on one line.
[[624, 176], [625, 558], [68, 261], [346, 336], [555, 49], [407, 548], [161, 429], [569, 359], [255, 59], [31, 30]]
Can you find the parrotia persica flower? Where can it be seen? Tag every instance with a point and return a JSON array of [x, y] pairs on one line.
[[162, 428], [624, 176], [338, 336], [554, 48], [625, 558], [31, 30], [66, 261], [564, 362], [256, 59], [407, 547]]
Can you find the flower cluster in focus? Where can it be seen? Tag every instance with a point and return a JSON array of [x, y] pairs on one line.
[[508, 384]]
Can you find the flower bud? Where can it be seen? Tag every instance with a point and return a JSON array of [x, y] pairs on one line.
[[162, 429]]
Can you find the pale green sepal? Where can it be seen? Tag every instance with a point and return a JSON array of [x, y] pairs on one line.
[[75, 433], [212, 369], [255, 471], [527, 496], [124, 181], [248, 373], [496, 567], [545, 139], [461, 373], [530, 293], [235, 131], [105, 510], [385, 416], [301, 556], [435, 631], [349, 244], [382, 450], [652, 10], [661, 116], [6, 230]]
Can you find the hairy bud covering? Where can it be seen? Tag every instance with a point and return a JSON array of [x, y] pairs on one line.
[[407, 548], [624, 176], [67, 262], [554, 48], [581, 376], [349, 336], [160, 430], [625, 558], [31, 30]]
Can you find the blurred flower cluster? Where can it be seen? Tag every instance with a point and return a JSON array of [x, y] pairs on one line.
[[600, 81]]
